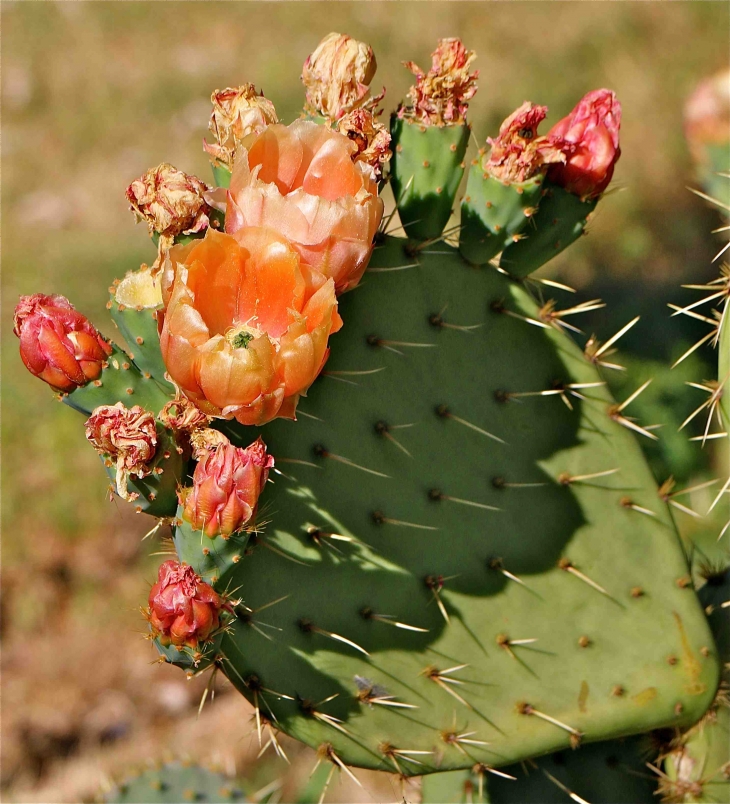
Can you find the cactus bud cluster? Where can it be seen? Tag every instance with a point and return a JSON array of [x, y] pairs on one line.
[[57, 343]]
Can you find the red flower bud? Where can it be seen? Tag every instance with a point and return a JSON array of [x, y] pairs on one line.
[[128, 436], [57, 343], [227, 483], [588, 137], [183, 609]]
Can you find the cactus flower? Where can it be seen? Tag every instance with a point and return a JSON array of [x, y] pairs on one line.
[[227, 483], [127, 436], [57, 343], [589, 138], [439, 97], [337, 76], [170, 202], [301, 181], [245, 327], [518, 153], [183, 610], [237, 112], [371, 138]]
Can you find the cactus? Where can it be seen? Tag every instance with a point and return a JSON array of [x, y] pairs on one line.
[[174, 783], [462, 558]]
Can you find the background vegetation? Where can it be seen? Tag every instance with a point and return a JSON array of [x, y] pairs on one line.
[[94, 94]]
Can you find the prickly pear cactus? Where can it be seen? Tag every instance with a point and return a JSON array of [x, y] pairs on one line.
[[459, 556]]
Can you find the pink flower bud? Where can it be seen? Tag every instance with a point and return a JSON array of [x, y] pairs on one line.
[[127, 436], [588, 137], [237, 112], [57, 343], [183, 610], [227, 483], [440, 95], [517, 152], [371, 138], [170, 201], [337, 76]]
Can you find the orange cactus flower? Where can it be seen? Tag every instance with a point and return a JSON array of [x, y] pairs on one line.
[[183, 609], [244, 333], [303, 181]]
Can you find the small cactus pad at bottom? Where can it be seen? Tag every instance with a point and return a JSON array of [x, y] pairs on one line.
[[465, 553], [176, 783]]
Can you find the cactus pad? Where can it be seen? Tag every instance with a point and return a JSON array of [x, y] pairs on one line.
[[176, 783], [461, 525]]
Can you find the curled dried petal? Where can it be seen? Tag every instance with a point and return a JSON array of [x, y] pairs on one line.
[[371, 138]]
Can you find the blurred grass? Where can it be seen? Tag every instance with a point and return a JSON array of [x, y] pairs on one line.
[[95, 93]]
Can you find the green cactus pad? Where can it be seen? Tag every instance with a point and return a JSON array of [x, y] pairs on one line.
[[120, 381], [176, 783], [560, 220], [418, 485], [494, 213], [158, 490], [135, 302], [603, 773], [212, 558], [425, 172], [723, 368]]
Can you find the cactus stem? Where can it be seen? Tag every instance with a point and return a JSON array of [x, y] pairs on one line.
[[321, 452], [528, 709], [389, 619], [443, 412], [567, 565], [309, 627]]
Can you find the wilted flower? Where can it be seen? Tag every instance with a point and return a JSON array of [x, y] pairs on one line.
[[227, 483], [440, 95], [183, 609], [237, 112], [183, 416], [244, 333], [588, 137], [707, 115], [57, 343], [371, 138], [127, 436], [300, 180], [337, 76], [170, 201], [517, 152]]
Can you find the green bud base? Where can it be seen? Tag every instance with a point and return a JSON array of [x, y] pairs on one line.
[[425, 173]]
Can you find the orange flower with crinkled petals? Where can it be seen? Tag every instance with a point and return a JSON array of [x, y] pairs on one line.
[[303, 181], [244, 334]]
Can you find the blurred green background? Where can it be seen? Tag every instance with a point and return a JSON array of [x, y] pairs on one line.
[[93, 94]]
